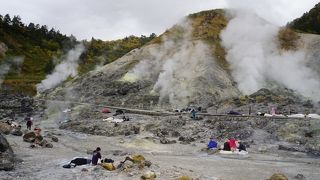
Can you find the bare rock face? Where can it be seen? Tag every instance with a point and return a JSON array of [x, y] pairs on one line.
[[177, 72], [6, 155], [12, 105]]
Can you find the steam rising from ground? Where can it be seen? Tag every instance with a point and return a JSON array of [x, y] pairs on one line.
[[7, 65], [67, 67], [253, 52], [178, 66]]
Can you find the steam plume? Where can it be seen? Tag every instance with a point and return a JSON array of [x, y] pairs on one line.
[[255, 58], [182, 69], [67, 67]]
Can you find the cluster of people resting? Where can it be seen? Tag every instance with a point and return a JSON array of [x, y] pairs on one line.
[[107, 163], [231, 145]]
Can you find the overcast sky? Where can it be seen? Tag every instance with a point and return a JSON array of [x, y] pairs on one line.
[[113, 19]]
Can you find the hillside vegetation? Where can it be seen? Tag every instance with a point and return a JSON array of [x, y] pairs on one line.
[[35, 44], [41, 49], [309, 22]]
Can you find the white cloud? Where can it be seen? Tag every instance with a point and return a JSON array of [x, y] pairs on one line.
[[109, 19]]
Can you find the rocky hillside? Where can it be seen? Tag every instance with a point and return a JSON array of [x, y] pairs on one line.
[[177, 68], [188, 65]]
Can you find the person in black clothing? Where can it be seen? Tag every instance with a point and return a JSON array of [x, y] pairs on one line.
[[77, 162], [242, 147], [226, 147], [96, 156], [29, 122]]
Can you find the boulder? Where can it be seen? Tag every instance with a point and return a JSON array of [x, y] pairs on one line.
[[138, 158], [300, 177], [108, 166], [164, 140], [278, 176], [43, 143], [6, 155], [149, 175], [49, 145], [5, 128], [31, 137], [54, 139], [147, 163], [184, 178], [186, 139]]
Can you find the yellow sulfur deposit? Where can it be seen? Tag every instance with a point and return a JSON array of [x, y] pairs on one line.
[[129, 77]]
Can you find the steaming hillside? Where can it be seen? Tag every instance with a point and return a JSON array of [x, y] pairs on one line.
[[208, 57], [178, 68]]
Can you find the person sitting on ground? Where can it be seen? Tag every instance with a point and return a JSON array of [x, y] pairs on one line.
[[226, 146], [118, 112], [233, 144], [96, 156], [241, 146], [212, 144], [125, 118]]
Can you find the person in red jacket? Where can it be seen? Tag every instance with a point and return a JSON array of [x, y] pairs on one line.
[[233, 144]]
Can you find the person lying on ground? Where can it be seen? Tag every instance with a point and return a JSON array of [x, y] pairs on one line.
[[77, 162]]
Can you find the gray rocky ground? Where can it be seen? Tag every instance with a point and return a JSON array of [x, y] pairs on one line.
[[276, 145]]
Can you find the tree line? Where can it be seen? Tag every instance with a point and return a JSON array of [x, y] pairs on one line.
[[41, 48]]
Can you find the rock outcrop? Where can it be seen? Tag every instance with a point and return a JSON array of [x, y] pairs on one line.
[[6, 155]]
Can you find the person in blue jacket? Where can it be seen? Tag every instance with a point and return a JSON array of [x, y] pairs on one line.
[[193, 114], [212, 144]]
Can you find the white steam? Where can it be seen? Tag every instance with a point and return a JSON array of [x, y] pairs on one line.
[[7, 65], [253, 51], [67, 67], [183, 69]]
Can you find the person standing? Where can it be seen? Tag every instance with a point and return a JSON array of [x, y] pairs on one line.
[[29, 122], [193, 114]]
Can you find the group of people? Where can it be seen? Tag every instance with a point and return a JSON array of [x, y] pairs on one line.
[[230, 145]]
